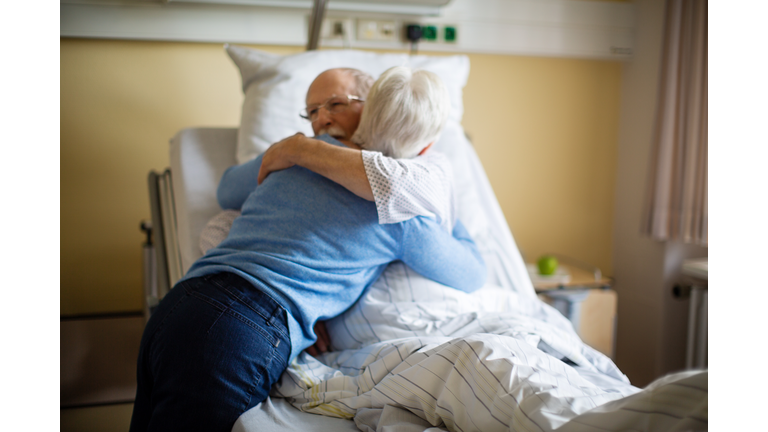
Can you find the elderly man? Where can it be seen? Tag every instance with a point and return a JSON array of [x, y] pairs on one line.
[[303, 250]]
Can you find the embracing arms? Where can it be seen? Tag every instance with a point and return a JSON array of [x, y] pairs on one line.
[[339, 164], [401, 188], [342, 165]]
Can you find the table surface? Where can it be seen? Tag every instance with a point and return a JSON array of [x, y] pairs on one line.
[[580, 279]]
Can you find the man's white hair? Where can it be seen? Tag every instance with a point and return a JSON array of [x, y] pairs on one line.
[[363, 81], [405, 111]]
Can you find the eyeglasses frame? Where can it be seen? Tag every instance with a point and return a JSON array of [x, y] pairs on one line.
[[350, 99]]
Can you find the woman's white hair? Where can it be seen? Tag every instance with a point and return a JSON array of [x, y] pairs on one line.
[[405, 111]]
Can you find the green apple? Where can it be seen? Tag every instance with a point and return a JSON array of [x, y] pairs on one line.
[[547, 265]]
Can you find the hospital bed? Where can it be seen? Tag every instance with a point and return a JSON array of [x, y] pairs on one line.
[[412, 354]]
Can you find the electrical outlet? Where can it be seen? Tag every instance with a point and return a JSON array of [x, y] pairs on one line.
[[436, 33], [372, 30], [429, 33], [336, 28], [450, 33]]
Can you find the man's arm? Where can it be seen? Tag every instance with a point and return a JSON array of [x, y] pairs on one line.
[[450, 259], [342, 165]]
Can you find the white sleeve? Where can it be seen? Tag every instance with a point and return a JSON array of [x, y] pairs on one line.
[[406, 188]]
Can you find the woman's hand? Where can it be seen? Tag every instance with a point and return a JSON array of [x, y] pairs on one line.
[[280, 155]]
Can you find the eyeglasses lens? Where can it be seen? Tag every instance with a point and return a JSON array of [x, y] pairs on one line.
[[333, 105]]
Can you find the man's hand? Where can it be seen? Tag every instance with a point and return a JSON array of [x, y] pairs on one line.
[[280, 156], [323, 343]]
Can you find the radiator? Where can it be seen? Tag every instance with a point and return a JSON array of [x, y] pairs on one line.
[[696, 349]]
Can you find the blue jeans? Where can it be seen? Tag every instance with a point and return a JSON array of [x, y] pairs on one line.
[[211, 351]]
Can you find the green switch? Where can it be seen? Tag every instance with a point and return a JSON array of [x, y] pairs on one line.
[[429, 33], [450, 34]]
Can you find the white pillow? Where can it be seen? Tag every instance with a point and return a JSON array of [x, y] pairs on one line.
[[275, 88]]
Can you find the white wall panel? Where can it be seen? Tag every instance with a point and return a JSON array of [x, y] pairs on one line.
[[560, 28]]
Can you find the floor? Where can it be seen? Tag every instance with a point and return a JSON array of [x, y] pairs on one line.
[[107, 418], [98, 371]]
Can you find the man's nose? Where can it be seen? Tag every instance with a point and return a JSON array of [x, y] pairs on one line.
[[323, 117]]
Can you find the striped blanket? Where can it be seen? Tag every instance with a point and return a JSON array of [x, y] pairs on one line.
[[413, 354]]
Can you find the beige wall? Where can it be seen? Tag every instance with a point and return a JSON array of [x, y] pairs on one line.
[[120, 104], [545, 129]]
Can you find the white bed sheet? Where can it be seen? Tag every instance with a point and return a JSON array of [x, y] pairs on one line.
[[517, 341], [277, 415]]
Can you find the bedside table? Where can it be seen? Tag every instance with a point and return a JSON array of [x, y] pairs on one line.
[[567, 293], [584, 288]]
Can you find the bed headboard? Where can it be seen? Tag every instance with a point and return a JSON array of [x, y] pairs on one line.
[[199, 157]]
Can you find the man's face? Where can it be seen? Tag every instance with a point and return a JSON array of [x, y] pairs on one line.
[[328, 84]]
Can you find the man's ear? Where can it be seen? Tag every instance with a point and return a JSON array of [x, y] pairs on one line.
[[424, 150]]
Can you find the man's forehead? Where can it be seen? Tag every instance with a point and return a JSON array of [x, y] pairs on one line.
[[329, 83]]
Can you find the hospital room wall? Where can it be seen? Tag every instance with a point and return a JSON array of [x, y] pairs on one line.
[[544, 128]]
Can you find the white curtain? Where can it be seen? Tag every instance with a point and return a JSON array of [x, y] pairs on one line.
[[676, 201]]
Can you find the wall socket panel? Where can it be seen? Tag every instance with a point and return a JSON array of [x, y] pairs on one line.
[[376, 30], [348, 30]]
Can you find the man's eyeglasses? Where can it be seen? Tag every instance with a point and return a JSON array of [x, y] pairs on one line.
[[334, 105]]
